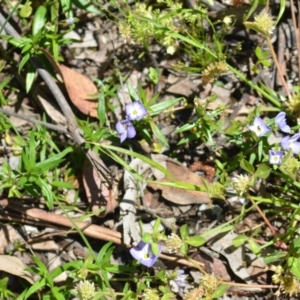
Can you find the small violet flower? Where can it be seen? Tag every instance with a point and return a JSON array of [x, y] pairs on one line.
[[288, 143], [259, 127], [125, 129], [179, 280], [275, 157], [70, 21], [135, 111], [143, 253], [280, 121]]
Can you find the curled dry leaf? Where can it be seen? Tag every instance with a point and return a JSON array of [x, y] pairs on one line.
[[80, 90], [97, 192], [14, 265], [180, 173]]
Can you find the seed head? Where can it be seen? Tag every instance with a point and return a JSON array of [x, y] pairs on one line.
[[241, 184], [150, 294], [264, 23], [173, 243], [85, 290]]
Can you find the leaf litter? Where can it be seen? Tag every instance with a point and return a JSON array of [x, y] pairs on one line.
[[224, 260]]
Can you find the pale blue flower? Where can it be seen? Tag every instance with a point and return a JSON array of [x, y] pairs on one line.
[[288, 143], [144, 254], [125, 129], [280, 121], [135, 111], [275, 157], [259, 127]]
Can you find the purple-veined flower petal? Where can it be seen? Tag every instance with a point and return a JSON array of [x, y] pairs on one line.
[[131, 133], [125, 129], [259, 127], [143, 253], [179, 282], [291, 143], [280, 121], [135, 111], [275, 157]]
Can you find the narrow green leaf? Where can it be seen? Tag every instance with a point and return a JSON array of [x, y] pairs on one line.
[[161, 106], [23, 61], [245, 165], [86, 5], [254, 247], [184, 232], [61, 184], [39, 20], [156, 225], [294, 266], [158, 134], [30, 76], [132, 92], [195, 241], [14, 41], [240, 240], [220, 291], [185, 127], [101, 110], [154, 248]]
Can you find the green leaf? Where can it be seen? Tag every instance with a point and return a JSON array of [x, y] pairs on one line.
[[134, 154], [14, 41], [294, 266], [101, 110], [183, 249], [158, 134], [61, 184], [185, 127], [219, 292], [195, 241], [295, 246], [156, 225], [30, 76], [240, 240], [39, 20], [263, 171], [184, 232], [161, 106], [25, 9], [52, 161], [86, 5], [103, 251], [155, 248], [254, 247], [154, 75], [23, 61], [146, 238], [132, 92], [245, 165], [276, 256]]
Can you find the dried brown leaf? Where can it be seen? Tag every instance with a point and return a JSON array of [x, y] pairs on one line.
[[181, 196], [80, 89], [97, 192]]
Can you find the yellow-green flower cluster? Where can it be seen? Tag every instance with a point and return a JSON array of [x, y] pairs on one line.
[[173, 243], [264, 23], [213, 71], [241, 184], [85, 290], [287, 281]]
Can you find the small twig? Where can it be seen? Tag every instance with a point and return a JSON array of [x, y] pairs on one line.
[[26, 118], [283, 81], [296, 32]]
